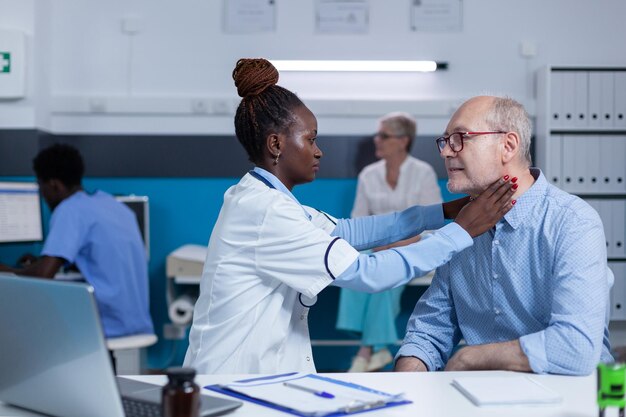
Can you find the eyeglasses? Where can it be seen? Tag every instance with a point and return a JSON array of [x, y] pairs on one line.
[[455, 140], [385, 136]]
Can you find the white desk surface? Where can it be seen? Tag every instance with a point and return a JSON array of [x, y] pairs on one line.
[[431, 393]]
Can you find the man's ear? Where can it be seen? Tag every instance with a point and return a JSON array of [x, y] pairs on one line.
[[273, 144], [511, 147], [57, 186]]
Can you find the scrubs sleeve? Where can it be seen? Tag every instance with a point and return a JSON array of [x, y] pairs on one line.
[[67, 232], [296, 252]]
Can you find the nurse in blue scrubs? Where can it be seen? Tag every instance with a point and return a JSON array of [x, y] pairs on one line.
[[269, 256], [99, 235]]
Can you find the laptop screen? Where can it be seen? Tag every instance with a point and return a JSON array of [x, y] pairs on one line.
[[54, 359]]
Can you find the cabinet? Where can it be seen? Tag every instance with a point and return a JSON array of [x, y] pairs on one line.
[[581, 148]]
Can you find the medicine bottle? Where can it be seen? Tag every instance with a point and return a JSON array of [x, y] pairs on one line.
[[181, 395]]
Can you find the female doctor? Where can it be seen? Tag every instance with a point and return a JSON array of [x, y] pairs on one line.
[[269, 256]]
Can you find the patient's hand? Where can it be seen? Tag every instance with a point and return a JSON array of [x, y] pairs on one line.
[[507, 356], [461, 361]]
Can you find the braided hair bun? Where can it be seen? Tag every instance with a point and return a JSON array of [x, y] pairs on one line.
[[253, 76], [265, 107]]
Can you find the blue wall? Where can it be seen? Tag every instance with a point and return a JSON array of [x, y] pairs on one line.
[[183, 211]]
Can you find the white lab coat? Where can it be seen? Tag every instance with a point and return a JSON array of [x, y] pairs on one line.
[[265, 265]]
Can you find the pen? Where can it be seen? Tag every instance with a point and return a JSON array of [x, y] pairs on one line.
[[322, 394]]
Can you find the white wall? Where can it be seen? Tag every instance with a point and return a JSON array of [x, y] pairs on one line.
[[102, 80], [20, 15]]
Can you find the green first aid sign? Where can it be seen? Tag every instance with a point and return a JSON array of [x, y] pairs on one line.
[[5, 62]]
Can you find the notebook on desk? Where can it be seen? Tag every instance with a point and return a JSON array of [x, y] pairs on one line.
[[54, 359], [513, 389]]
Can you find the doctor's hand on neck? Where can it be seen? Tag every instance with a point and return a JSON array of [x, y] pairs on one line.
[[483, 212]]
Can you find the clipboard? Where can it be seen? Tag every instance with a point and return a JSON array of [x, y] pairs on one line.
[[309, 395]]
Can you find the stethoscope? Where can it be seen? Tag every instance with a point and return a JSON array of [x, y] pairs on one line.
[[307, 302]]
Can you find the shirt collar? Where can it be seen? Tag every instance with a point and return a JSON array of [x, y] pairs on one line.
[[277, 184], [527, 201]]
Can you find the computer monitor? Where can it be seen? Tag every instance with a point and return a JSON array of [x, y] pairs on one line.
[[20, 212], [140, 205]]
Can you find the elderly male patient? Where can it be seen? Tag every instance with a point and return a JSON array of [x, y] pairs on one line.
[[531, 294]]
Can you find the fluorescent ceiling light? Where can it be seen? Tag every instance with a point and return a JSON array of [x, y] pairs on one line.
[[360, 66]]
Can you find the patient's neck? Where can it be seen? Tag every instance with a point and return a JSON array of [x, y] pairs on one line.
[[524, 179]]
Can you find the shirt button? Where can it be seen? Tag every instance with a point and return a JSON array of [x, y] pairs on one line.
[[308, 359], [302, 317], [497, 311], [496, 242], [495, 276]]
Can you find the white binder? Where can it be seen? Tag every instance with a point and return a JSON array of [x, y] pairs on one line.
[[613, 149], [553, 169], [568, 97], [605, 170], [595, 99], [581, 95], [557, 115], [607, 94], [618, 224], [585, 165], [569, 162], [574, 163], [593, 165], [616, 155], [619, 120]]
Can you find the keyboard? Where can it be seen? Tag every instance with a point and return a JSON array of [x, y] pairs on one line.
[[136, 408]]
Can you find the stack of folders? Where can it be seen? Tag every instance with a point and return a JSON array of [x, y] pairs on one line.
[[309, 395], [514, 389]]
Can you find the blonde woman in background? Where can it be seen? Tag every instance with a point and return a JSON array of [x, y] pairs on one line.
[[395, 182]]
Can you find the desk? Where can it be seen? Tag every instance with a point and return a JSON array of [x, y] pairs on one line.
[[431, 393]]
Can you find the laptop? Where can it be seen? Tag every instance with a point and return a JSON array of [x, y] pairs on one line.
[[54, 359]]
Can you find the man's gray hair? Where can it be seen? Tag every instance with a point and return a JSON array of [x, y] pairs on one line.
[[401, 124], [509, 115]]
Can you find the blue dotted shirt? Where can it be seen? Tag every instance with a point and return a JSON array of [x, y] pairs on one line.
[[541, 277]]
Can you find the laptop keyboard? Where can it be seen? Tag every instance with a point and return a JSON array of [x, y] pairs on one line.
[[136, 408]]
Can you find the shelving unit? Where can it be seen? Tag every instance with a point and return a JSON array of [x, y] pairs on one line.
[[581, 148]]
